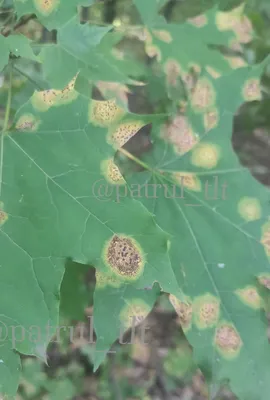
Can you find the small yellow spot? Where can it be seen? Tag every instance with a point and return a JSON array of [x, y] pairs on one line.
[[235, 61], [123, 132], [134, 313], [199, 21], [153, 51], [252, 90], [105, 279], [227, 341], [203, 95], [180, 134], [27, 122], [249, 208], [210, 119], [205, 155], [265, 240], [111, 172], [124, 256], [104, 113], [172, 71], [264, 280], [46, 7], [250, 296], [214, 73], [183, 310], [243, 29], [163, 35], [206, 311], [3, 215], [188, 180]]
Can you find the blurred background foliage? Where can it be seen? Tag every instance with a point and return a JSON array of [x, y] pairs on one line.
[[162, 368]]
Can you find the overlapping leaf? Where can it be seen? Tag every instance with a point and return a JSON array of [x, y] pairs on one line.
[[51, 13], [18, 45], [218, 216]]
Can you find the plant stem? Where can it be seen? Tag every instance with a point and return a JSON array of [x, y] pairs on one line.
[[135, 159], [5, 127]]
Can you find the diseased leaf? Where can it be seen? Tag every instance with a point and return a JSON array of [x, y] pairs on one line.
[[218, 218], [50, 211], [78, 49]]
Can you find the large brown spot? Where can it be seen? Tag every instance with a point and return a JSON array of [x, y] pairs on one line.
[[124, 256]]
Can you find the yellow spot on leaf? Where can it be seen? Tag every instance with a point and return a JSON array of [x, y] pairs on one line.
[[45, 99], [123, 132], [153, 51], [3, 215], [199, 21], [188, 180], [68, 94], [183, 310], [27, 122], [114, 89], [249, 208], [111, 172], [210, 119], [250, 296], [205, 155], [203, 96], [163, 35], [104, 113], [134, 313], [236, 21], [46, 7], [227, 341], [215, 74], [172, 71], [180, 134], [206, 311], [252, 90], [124, 256], [265, 240], [105, 279], [235, 61], [264, 280]]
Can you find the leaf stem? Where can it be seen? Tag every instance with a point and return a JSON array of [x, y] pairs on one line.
[[135, 159], [5, 127]]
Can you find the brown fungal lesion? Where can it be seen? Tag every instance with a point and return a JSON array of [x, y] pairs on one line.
[[124, 256]]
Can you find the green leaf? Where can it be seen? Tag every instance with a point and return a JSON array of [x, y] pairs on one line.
[[169, 43], [149, 10], [77, 50], [50, 211], [218, 218], [19, 45], [51, 13]]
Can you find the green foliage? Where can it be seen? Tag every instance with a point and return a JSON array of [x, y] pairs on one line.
[[183, 217], [18, 45]]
